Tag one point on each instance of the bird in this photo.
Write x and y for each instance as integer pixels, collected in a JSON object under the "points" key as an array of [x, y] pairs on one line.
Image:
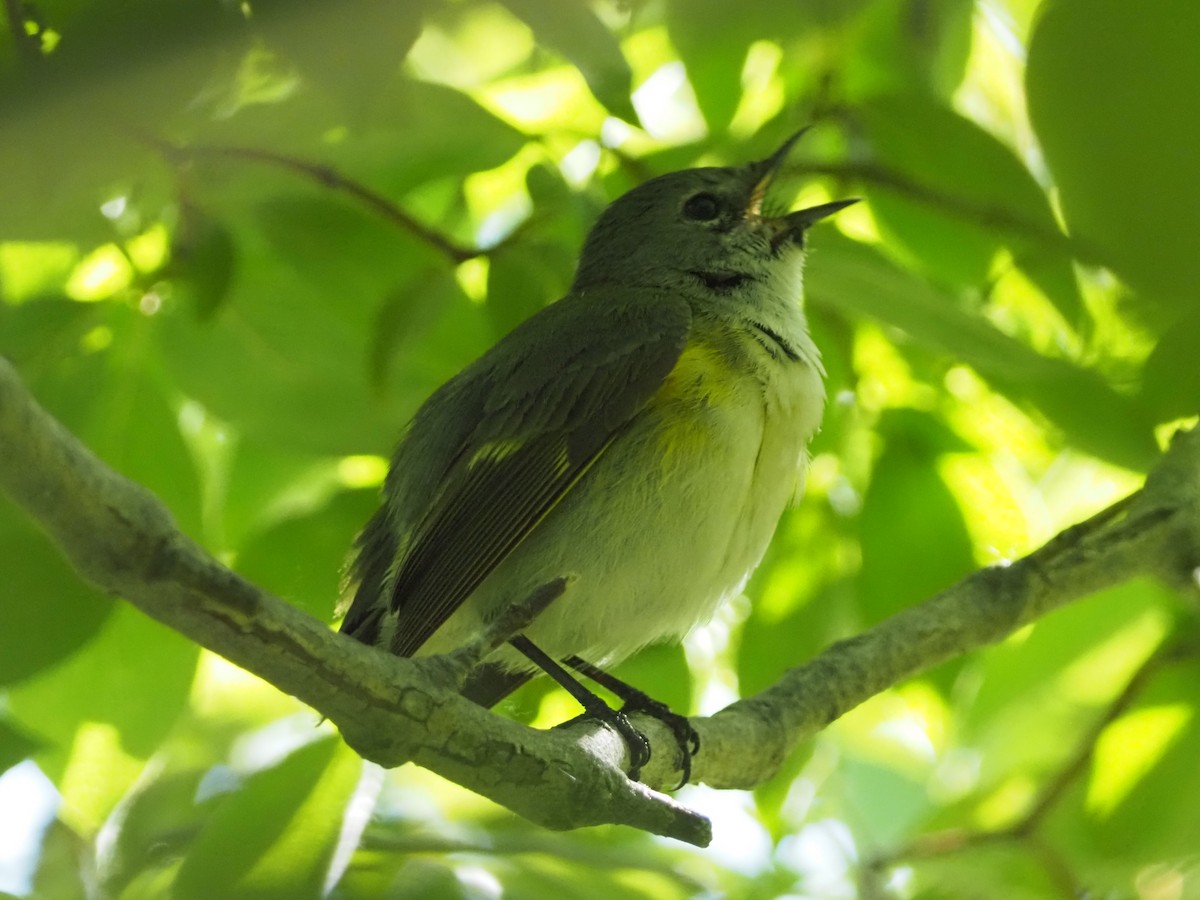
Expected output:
{"points": [[633, 445]]}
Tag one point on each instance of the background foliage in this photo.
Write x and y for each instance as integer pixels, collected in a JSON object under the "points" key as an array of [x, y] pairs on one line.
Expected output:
{"points": [[239, 243]]}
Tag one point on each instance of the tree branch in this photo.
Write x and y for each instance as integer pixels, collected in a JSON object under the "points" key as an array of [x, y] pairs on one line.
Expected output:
{"points": [[120, 537]]}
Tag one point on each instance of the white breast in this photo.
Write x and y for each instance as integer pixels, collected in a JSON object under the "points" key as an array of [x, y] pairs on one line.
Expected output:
{"points": [[669, 523]]}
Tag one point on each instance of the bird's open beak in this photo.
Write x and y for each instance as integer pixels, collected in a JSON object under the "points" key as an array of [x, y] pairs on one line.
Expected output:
{"points": [[794, 224], [766, 169]]}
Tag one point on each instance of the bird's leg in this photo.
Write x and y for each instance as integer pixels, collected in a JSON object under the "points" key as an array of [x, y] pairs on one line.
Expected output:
{"points": [[593, 706], [638, 701], [517, 616]]}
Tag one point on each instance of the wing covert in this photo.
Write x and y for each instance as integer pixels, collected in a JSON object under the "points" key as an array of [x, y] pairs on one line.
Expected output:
{"points": [[558, 390]]}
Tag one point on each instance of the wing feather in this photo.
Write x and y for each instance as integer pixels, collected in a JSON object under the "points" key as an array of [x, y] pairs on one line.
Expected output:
{"points": [[545, 402]]}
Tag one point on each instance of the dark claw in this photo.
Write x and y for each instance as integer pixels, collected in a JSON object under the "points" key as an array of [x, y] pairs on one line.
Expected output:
{"points": [[685, 735], [639, 747], [635, 742]]}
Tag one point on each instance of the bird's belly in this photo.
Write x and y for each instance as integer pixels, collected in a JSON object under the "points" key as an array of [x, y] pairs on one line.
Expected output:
{"points": [[668, 524]]}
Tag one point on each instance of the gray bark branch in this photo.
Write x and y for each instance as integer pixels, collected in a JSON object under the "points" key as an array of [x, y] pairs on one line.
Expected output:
{"points": [[120, 537]]}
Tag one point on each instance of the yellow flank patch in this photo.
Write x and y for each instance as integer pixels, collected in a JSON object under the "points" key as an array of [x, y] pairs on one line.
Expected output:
{"points": [[701, 380], [702, 377]]}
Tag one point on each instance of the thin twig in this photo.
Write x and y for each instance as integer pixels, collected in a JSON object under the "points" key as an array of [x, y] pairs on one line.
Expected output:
{"points": [[1054, 789], [984, 215], [1023, 831], [331, 178]]}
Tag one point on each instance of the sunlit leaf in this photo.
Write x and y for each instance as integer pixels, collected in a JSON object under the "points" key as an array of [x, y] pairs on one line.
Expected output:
{"points": [[275, 836], [572, 29], [965, 196], [853, 277], [1106, 82]]}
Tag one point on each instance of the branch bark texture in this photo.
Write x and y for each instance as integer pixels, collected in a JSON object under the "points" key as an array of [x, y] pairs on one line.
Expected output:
{"points": [[122, 539]]}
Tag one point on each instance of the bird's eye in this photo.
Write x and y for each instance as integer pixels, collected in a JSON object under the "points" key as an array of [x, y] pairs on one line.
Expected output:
{"points": [[701, 208]]}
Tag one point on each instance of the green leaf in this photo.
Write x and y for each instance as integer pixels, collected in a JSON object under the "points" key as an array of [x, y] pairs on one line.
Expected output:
{"points": [[202, 259], [714, 67], [1149, 755], [275, 836], [426, 331], [851, 277], [158, 820], [301, 559], [48, 613], [65, 870], [267, 485], [1020, 679], [972, 197], [913, 535], [286, 360], [1108, 83], [903, 46], [16, 744], [662, 672], [572, 29], [135, 675], [521, 281], [371, 38], [1171, 378], [134, 428], [446, 135]]}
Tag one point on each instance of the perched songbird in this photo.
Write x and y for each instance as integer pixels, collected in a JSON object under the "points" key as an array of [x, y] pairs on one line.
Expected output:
{"points": [[640, 437]]}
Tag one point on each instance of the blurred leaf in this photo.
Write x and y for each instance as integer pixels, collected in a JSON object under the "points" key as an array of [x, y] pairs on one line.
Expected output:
{"points": [[266, 485], [446, 135], [286, 360], [135, 430], [913, 536], [1106, 82], [135, 675], [986, 871], [336, 245], [714, 68], [909, 45], [402, 877], [42, 337], [73, 134], [770, 645], [158, 820], [413, 347], [852, 277], [883, 803], [662, 672], [48, 612], [202, 259], [1027, 704], [350, 49], [520, 282], [955, 159], [64, 869], [572, 29], [301, 559], [275, 836], [113, 399], [15, 745], [1171, 378], [1155, 822]]}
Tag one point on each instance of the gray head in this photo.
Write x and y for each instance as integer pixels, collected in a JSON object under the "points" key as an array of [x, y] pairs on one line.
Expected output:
{"points": [[704, 225]]}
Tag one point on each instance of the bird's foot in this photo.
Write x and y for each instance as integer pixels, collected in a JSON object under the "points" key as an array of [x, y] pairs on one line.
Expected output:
{"points": [[685, 735]]}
